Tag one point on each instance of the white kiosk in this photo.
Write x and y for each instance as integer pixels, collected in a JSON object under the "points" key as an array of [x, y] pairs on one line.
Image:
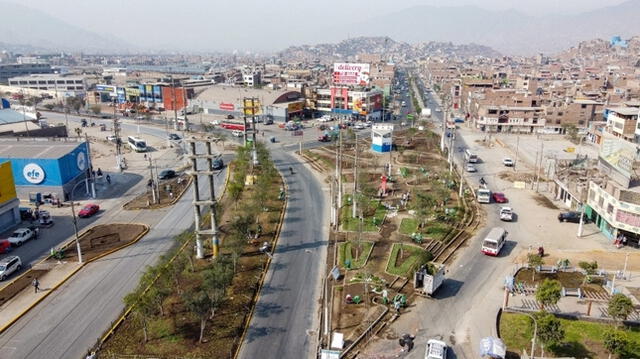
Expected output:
{"points": [[381, 138]]}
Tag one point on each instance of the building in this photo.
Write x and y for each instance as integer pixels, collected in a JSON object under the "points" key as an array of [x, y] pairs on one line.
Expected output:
{"points": [[278, 105], [517, 119], [346, 101], [251, 77], [51, 82], [623, 122], [45, 166], [9, 202], [8, 71]]}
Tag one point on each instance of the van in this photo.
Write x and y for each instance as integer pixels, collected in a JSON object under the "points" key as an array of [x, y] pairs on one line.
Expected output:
{"points": [[9, 265], [494, 241]]}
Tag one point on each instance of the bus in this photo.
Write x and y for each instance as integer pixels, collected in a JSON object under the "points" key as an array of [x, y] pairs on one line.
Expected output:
{"points": [[137, 144], [483, 195], [494, 241], [470, 156], [234, 125]]}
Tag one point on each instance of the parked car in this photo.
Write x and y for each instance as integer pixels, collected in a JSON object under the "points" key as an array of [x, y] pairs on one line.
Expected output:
{"points": [[436, 349], [26, 214], [21, 235], [167, 174], [499, 197], [471, 167], [217, 164], [237, 133], [9, 265], [214, 122], [324, 138], [230, 117], [174, 137], [571, 216], [506, 214], [88, 210], [5, 246], [507, 162], [268, 121], [359, 126]]}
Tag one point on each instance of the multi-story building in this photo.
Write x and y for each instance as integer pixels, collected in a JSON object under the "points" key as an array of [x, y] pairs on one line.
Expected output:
{"points": [[8, 71], [342, 100], [623, 122], [50, 82], [251, 77]]}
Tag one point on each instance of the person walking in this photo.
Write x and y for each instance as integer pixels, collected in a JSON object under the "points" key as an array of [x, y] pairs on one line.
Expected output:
{"points": [[108, 179], [36, 285]]}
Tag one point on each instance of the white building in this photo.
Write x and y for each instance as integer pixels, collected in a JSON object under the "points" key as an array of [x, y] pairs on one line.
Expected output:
{"points": [[50, 82]]}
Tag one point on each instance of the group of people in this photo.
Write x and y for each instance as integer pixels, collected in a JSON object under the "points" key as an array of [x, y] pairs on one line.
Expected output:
{"points": [[620, 241]]}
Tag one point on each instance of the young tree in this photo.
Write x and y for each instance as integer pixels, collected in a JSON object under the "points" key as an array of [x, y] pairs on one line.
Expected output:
{"points": [[550, 330], [534, 260], [423, 206], [142, 308], [615, 341], [198, 303], [548, 293], [620, 307]]}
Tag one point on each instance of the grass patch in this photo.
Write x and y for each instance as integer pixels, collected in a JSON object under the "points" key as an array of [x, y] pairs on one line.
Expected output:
{"points": [[369, 224], [408, 226], [582, 339], [433, 230], [412, 257], [347, 250]]}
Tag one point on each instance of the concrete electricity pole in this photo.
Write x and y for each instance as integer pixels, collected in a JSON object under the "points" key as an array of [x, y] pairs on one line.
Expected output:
{"points": [[355, 178]]}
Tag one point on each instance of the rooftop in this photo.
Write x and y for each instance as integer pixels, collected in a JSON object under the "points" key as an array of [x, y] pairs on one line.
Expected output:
{"points": [[42, 148], [10, 116], [625, 111], [235, 94]]}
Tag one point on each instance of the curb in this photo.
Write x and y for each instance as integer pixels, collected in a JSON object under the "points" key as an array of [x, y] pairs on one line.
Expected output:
{"points": [[16, 318], [256, 297], [175, 199]]}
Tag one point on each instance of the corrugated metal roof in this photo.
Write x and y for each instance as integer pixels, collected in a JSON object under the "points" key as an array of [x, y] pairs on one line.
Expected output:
{"points": [[36, 149]]}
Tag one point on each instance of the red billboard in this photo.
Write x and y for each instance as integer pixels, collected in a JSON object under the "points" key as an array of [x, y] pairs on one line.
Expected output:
{"points": [[227, 106], [174, 98]]}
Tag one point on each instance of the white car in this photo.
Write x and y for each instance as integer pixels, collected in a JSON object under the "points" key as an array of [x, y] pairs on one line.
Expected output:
{"points": [[436, 349], [508, 162], [324, 119], [506, 214], [214, 122], [359, 126], [9, 265], [21, 235], [237, 133], [471, 168], [438, 109]]}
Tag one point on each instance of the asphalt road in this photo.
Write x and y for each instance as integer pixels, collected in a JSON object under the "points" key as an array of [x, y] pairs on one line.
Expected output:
{"points": [[68, 322], [284, 324]]}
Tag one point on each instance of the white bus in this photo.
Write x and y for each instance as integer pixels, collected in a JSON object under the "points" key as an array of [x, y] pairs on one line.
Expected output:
{"points": [[483, 195], [470, 156], [494, 241], [137, 144]]}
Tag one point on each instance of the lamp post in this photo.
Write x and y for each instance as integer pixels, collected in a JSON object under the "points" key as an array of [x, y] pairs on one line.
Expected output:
{"points": [[75, 221], [535, 333]]}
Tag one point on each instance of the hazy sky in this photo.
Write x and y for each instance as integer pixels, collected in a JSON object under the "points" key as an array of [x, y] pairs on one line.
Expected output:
{"points": [[260, 24]]}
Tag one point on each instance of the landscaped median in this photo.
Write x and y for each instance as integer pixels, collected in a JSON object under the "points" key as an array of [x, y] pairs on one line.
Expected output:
{"points": [[18, 297]]}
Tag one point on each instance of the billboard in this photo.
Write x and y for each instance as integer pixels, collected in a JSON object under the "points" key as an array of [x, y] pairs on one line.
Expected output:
{"points": [[350, 74], [295, 107], [251, 107], [7, 186], [111, 90], [227, 106]]}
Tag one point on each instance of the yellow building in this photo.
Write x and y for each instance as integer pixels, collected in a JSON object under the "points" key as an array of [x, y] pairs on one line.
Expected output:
{"points": [[9, 202]]}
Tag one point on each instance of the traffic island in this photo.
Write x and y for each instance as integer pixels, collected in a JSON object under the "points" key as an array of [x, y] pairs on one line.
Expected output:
{"points": [[20, 296], [169, 192]]}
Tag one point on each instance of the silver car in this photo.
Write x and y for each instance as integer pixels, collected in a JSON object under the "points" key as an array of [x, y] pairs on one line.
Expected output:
{"points": [[9, 265]]}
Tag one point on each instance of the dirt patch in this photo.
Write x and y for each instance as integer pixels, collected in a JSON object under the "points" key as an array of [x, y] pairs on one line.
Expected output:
{"points": [[544, 201], [102, 239], [170, 192], [567, 279], [20, 283], [517, 176]]}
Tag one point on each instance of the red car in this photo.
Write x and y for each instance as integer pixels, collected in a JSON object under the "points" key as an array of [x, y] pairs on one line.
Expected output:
{"points": [[88, 210], [324, 138], [499, 198]]}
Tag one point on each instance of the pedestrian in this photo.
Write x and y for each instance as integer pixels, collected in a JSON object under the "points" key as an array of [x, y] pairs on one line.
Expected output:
{"points": [[108, 179], [99, 173], [36, 285], [145, 156]]}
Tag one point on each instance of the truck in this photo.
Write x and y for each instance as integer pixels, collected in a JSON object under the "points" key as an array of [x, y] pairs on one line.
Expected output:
{"points": [[483, 194], [428, 279], [426, 112]]}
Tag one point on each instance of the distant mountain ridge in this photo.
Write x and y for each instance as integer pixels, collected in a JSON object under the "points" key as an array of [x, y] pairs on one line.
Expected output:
{"points": [[507, 31], [31, 28]]}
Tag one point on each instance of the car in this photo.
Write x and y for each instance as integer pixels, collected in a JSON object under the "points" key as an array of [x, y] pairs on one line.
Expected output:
{"points": [[508, 162], [436, 349], [268, 121], [21, 235], [571, 216], [324, 119], [506, 214], [471, 168], [214, 122], [167, 174], [499, 197], [359, 126], [88, 210], [112, 138], [5, 246], [438, 109], [217, 164], [324, 138], [237, 133], [230, 117], [8, 265], [174, 137]]}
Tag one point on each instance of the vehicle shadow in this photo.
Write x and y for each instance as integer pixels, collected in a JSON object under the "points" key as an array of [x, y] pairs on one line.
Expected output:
{"points": [[507, 248], [449, 288]]}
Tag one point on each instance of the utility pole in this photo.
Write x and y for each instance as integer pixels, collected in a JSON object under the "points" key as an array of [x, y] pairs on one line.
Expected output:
{"points": [[152, 180], [173, 103], [355, 178], [540, 166], [90, 167], [116, 134], [581, 223], [340, 167], [515, 163]]}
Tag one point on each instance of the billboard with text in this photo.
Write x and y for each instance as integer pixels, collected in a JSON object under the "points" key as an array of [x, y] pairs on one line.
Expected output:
{"points": [[350, 74]]}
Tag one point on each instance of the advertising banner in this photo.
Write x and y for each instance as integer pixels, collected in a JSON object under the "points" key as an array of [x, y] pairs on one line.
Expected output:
{"points": [[227, 106], [295, 107], [7, 186], [106, 88], [350, 74], [251, 107]]}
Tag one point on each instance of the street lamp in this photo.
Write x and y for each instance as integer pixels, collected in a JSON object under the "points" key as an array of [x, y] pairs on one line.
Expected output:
{"points": [[75, 220], [535, 333]]}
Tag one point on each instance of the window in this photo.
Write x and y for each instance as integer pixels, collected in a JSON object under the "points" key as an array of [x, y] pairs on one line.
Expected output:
{"points": [[592, 196], [492, 112], [558, 121], [610, 208], [560, 113], [580, 122], [584, 105]]}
